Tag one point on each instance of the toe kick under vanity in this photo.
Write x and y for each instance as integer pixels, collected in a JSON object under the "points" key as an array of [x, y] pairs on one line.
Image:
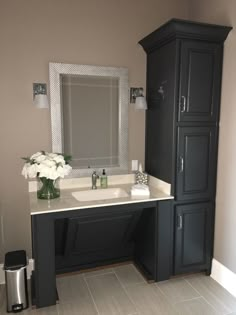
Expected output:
{"points": [[70, 235]]}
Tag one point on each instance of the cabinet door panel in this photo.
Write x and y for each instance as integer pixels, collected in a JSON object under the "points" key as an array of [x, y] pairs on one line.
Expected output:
{"points": [[199, 81], [196, 163], [193, 237], [96, 234]]}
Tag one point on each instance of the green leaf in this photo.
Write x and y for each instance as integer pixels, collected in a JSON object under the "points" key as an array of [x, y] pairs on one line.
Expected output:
{"points": [[27, 159]]}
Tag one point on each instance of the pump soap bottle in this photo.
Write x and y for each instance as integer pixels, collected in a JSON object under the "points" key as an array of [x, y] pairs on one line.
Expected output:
{"points": [[103, 179]]}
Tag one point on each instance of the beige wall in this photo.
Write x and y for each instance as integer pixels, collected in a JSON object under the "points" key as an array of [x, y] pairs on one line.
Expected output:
{"points": [[224, 12], [32, 34]]}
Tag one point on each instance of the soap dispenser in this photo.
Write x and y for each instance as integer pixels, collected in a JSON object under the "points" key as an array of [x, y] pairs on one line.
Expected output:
{"points": [[103, 179]]}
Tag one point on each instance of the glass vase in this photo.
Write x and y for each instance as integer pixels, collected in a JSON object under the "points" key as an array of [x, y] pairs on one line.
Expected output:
{"points": [[48, 188]]}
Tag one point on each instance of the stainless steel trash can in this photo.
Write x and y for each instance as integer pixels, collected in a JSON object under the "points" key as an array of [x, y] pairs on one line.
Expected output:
{"points": [[16, 281]]}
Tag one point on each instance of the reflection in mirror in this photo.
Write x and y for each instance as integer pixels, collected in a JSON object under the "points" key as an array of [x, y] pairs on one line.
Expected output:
{"points": [[90, 107], [89, 115]]}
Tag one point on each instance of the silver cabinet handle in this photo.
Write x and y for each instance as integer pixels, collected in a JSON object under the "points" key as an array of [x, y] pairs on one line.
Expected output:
{"points": [[181, 164], [180, 222], [183, 104]]}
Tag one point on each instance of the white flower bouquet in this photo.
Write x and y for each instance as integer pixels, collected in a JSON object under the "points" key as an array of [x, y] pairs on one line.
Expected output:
{"points": [[47, 167]]}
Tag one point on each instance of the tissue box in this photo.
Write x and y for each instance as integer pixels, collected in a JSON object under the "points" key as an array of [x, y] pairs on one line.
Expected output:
{"points": [[140, 190]]}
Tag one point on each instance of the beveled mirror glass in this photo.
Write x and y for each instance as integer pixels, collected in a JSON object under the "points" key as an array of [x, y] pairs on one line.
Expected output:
{"points": [[89, 116]]}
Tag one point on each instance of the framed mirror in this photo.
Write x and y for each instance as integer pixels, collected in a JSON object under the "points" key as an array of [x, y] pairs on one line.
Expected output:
{"points": [[89, 116]]}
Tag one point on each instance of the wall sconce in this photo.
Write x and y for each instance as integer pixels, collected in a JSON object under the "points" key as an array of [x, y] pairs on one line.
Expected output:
{"points": [[161, 92], [40, 95], [156, 96], [136, 97]]}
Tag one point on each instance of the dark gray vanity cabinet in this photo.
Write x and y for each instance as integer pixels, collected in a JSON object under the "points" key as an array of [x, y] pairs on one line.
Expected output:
{"points": [[105, 235], [184, 65], [69, 240]]}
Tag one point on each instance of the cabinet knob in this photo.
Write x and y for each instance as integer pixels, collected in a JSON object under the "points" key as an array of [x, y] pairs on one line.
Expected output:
{"points": [[183, 104]]}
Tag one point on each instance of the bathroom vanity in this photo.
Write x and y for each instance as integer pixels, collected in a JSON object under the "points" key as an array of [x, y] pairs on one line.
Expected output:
{"points": [[162, 236], [70, 235]]}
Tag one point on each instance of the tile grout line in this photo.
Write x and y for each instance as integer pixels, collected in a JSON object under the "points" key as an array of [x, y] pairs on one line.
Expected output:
{"points": [[156, 285], [195, 298], [131, 300], [208, 301], [185, 300], [99, 274], [145, 283], [91, 295], [219, 300]]}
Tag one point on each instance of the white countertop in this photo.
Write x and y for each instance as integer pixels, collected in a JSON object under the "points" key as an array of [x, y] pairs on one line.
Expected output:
{"points": [[158, 191]]}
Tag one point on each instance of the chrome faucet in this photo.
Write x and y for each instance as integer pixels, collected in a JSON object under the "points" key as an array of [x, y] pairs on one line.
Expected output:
{"points": [[94, 180]]}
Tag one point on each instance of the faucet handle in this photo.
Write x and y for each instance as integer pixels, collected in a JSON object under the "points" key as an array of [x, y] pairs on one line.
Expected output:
{"points": [[95, 174]]}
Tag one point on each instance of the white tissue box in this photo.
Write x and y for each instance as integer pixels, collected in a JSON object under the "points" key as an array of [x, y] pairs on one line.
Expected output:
{"points": [[140, 190]]}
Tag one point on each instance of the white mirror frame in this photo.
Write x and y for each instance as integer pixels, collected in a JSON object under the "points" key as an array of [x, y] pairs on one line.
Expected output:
{"points": [[55, 71]]}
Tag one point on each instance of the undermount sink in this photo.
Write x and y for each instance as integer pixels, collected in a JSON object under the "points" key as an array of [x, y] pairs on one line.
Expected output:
{"points": [[99, 194]]}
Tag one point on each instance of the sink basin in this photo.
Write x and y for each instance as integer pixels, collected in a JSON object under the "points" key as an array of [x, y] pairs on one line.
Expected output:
{"points": [[99, 194]]}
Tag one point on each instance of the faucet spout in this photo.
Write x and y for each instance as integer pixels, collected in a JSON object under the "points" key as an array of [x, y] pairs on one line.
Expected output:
{"points": [[94, 180]]}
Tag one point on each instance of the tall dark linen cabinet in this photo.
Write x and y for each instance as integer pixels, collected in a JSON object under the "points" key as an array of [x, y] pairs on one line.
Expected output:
{"points": [[184, 67]]}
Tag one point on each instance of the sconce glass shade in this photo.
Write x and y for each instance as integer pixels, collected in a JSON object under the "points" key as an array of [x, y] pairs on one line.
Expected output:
{"points": [[140, 103], [41, 101]]}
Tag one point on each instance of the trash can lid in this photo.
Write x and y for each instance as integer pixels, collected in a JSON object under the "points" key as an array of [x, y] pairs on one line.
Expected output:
{"points": [[15, 260]]}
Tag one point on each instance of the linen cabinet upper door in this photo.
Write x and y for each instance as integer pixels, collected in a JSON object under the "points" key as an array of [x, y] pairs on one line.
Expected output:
{"points": [[196, 163], [200, 73]]}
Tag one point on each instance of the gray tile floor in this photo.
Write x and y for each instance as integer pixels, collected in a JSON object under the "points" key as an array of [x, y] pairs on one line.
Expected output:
{"points": [[122, 290]]}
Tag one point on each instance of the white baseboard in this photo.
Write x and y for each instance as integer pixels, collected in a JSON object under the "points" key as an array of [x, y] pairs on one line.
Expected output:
{"points": [[30, 267], [224, 276]]}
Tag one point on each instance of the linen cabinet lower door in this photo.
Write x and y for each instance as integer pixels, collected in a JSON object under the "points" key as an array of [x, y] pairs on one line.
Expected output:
{"points": [[193, 237]]}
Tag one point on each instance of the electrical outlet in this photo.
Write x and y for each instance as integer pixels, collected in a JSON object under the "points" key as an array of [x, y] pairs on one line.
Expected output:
{"points": [[134, 165]]}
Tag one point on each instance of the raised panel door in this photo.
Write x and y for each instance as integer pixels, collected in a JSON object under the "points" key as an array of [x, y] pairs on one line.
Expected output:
{"points": [[200, 81], [196, 163], [193, 237]]}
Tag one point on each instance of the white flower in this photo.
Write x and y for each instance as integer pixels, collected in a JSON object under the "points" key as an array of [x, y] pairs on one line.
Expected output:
{"points": [[35, 155], [40, 158], [32, 170], [53, 173], [44, 171], [25, 170], [67, 169], [48, 165], [52, 155], [48, 172], [61, 171], [59, 159]]}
